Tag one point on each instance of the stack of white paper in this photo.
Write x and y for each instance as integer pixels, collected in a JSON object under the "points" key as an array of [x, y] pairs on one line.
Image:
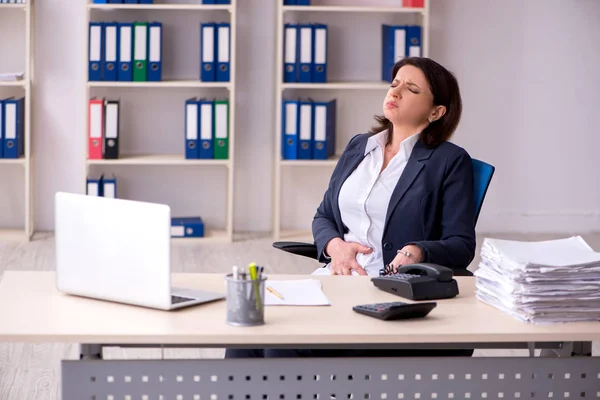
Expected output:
{"points": [[7, 77], [541, 282]]}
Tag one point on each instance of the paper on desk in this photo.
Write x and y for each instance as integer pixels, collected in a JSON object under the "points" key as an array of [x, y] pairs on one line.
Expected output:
{"points": [[299, 292]]}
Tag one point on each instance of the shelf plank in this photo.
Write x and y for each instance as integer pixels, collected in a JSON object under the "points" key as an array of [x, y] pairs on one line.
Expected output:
{"points": [[331, 162], [13, 6], [160, 84], [380, 85], [157, 159], [210, 236], [19, 83], [358, 9], [162, 7], [13, 161]]}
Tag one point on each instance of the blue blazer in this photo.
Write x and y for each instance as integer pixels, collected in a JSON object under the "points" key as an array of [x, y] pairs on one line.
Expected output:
{"points": [[431, 206]]}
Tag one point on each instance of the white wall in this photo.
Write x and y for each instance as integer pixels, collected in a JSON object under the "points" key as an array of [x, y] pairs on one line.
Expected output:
{"points": [[528, 72]]}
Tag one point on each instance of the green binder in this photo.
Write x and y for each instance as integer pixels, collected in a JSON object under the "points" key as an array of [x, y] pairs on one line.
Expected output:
{"points": [[140, 51], [221, 130]]}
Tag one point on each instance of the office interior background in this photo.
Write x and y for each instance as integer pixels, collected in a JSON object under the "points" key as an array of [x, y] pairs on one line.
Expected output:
{"points": [[528, 73]]}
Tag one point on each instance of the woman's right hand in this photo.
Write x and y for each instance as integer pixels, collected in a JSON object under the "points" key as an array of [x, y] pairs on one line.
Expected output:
{"points": [[343, 256]]}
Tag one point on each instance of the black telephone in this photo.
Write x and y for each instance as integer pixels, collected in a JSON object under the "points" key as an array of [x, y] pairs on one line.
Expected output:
{"points": [[422, 281]]}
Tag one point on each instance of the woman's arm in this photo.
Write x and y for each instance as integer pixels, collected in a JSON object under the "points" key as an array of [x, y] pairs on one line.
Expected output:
{"points": [[323, 226], [456, 247]]}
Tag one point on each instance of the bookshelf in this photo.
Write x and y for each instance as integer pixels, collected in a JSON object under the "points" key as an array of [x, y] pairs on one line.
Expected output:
{"points": [[156, 110], [345, 82], [21, 14]]}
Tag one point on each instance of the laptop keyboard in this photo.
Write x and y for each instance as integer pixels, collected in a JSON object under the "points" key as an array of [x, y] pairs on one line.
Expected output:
{"points": [[179, 299]]}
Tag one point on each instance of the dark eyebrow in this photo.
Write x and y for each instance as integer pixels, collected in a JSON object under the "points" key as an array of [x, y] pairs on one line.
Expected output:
{"points": [[413, 84]]}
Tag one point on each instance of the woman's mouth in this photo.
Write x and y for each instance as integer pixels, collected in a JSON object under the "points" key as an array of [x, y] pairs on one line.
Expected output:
{"points": [[391, 104]]}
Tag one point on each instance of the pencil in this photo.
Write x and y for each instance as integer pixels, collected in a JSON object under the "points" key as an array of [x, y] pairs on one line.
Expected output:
{"points": [[274, 292]]}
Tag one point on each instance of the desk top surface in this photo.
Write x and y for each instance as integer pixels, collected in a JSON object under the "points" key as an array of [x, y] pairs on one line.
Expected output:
{"points": [[32, 310]]}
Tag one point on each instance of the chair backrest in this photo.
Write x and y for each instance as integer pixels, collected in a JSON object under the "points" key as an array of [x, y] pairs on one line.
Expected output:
{"points": [[482, 176]]}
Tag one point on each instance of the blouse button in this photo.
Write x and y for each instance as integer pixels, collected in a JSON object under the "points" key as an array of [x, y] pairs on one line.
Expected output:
{"points": [[388, 246]]}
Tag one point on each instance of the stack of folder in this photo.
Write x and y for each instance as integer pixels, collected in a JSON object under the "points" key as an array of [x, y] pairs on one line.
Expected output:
{"points": [[550, 281], [206, 129], [103, 186], [123, 1], [187, 227], [296, 2], [103, 129], [216, 1], [215, 40], [305, 53], [308, 129], [125, 51], [398, 42], [12, 127]]}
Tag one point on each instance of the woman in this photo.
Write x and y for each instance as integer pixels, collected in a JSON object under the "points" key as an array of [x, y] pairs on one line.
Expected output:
{"points": [[399, 195], [405, 194]]}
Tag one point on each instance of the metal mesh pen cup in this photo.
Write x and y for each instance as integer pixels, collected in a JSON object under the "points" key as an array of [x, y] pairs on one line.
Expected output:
{"points": [[245, 301]]}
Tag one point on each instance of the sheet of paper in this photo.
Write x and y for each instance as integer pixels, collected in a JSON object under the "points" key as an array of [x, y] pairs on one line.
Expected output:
{"points": [[299, 292]]}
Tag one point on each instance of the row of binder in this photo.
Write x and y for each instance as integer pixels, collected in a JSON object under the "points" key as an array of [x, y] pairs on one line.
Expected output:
{"points": [[397, 42], [103, 129], [102, 186], [12, 127], [308, 129], [13, 1], [215, 40], [125, 51], [305, 53], [206, 129]]}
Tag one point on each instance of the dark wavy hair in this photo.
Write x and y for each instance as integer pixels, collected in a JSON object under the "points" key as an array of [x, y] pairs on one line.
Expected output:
{"points": [[444, 87]]}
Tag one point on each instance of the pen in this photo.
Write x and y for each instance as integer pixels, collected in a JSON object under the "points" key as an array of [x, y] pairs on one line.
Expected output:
{"points": [[275, 292]]}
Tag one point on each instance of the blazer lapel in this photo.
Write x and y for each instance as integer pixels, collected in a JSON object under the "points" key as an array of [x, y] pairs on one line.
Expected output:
{"points": [[410, 173]]}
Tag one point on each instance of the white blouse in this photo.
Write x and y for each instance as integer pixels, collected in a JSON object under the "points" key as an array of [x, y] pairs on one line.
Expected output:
{"points": [[365, 196]]}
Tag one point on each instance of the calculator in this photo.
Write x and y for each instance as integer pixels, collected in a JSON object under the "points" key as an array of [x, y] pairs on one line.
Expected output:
{"points": [[395, 310]]}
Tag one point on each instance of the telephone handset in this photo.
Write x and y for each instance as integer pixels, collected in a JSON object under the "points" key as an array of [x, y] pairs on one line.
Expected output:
{"points": [[423, 281]]}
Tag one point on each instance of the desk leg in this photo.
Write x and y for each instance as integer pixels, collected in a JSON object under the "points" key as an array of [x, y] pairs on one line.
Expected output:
{"points": [[90, 351]]}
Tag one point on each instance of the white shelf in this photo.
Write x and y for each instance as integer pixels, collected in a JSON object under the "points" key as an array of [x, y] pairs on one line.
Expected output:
{"points": [[356, 9], [162, 7], [210, 236], [157, 159], [96, 12], [20, 83], [159, 84], [331, 162], [28, 229], [346, 87], [338, 85], [13, 161]]}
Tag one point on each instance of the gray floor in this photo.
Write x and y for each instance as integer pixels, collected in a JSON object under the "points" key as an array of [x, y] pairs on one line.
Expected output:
{"points": [[32, 371]]}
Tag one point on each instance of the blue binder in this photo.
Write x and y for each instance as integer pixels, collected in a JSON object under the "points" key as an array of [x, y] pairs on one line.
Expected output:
{"points": [[146, 1], [290, 128], [305, 53], [131, 2], [95, 51], [305, 132], [393, 41], [187, 227], [303, 2], [155, 51], [1, 128], [94, 185], [205, 131], [125, 37], [209, 2], [191, 127], [290, 53], [14, 112], [324, 117], [99, 1], [207, 51], [223, 53], [115, 1], [319, 68], [413, 41], [289, 2], [223, 2], [111, 51]]}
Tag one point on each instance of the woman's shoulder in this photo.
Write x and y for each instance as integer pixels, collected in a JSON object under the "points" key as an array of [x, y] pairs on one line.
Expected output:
{"points": [[450, 150]]}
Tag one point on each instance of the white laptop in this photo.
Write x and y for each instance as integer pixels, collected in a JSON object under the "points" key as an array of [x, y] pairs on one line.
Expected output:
{"points": [[118, 250]]}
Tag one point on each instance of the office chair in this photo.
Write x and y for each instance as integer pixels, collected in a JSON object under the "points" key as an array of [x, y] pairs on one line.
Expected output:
{"points": [[482, 176]]}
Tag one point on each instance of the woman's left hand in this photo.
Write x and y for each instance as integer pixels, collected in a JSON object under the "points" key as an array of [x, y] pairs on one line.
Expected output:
{"points": [[416, 256]]}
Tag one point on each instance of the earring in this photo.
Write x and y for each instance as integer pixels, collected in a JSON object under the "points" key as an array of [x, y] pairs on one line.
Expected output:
{"points": [[431, 119]]}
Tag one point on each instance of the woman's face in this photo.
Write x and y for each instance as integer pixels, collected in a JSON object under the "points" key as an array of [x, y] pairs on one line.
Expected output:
{"points": [[409, 100]]}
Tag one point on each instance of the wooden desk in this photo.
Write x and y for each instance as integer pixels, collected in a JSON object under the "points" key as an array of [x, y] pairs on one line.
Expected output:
{"points": [[32, 310]]}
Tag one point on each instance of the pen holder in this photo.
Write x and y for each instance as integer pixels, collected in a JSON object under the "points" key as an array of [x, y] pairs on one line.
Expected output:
{"points": [[245, 301]]}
